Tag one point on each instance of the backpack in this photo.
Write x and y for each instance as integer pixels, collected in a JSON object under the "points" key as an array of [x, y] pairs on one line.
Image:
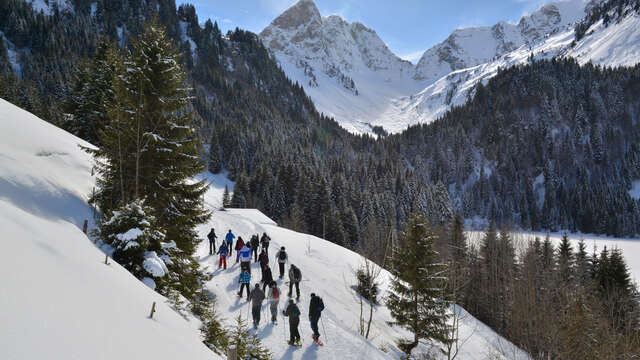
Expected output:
{"points": [[295, 312], [296, 274], [282, 256], [276, 293]]}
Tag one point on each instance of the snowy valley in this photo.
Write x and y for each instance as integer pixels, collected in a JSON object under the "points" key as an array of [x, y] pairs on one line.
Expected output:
{"points": [[352, 76]]}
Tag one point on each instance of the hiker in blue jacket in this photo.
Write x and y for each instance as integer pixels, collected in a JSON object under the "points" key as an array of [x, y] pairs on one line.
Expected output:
{"points": [[244, 280], [229, 239]]}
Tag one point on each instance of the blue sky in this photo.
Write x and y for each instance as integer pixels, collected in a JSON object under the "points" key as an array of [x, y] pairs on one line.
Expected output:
{"points": [[408, 27]]}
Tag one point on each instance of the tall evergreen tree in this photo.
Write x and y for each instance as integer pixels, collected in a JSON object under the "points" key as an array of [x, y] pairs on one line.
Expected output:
{"points": [[151, 151], [417, 299]]}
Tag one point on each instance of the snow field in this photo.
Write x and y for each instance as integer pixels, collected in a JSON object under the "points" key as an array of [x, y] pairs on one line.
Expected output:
{"points": [[59, 300]]}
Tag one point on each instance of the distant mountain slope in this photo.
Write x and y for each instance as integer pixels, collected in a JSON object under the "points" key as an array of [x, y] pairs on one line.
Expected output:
{"points": [[397, 94], [60, 301]]}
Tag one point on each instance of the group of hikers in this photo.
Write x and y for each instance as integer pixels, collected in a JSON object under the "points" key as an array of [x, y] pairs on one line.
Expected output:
{"points": [[245, 251]]}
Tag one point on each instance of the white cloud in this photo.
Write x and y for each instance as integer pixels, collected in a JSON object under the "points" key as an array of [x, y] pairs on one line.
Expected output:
{"points": [[413, 56]]}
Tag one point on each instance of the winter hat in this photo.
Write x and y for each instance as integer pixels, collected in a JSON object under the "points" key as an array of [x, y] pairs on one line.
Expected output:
{"points": [[282, 248], [290, 301], [313, 294]]}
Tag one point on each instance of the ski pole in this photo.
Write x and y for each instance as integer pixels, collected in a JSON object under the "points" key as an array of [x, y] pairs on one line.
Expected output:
{"points": [[284, 328], [324, 331]]}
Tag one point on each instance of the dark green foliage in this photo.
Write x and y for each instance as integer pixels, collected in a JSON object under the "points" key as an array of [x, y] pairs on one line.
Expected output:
{"points": [[90, 93], [214, 334], [417, 297], [366, 286], [568, 125], [247, 343]]}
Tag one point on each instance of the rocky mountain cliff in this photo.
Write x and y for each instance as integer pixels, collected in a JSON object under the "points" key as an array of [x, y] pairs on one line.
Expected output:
{"points": [[352, 75]]}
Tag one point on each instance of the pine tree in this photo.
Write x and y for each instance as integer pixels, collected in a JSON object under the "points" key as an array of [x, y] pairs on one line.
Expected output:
{"points": [[565, 261], [247, 343], [132, 232], [226, 201], [417, 299], [240, 192], [91, 92], [151, 151]]}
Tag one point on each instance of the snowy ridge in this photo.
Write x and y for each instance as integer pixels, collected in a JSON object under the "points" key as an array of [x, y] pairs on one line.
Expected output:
{"points": [[320, 53], [60, 300]]}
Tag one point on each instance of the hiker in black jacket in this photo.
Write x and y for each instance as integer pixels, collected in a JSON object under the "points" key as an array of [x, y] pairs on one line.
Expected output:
{"points": [[212, 241], [316, 305], [264, 241], [282, 257], [255, 242], [267, 277], [293, 313]]}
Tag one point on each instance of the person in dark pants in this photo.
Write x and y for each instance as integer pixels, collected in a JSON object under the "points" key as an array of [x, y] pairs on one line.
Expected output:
{"points": [[315, 310], [255, 243], [229, 239], [263, 259], [282, 259], [256, 298], [212, 241], [293, 313], [295, 276], [267, 277], [245, 279], [264, 241]]}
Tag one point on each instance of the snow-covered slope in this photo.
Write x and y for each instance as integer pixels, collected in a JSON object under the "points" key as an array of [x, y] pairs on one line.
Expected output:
{"points": [[328, 270], [321, 52], [59, 300]]}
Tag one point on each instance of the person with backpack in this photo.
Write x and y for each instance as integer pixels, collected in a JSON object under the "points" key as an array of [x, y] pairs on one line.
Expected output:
{"points": [[229, 239], [295, 276], [293, 313], [256, 298], [274, 298], [267, 277], [222, 250], [282, 259], [316, 305], [239, 246], [212, 241], [264, 259], [244, 255], [255, 243], [244, 280], [264, 241]]}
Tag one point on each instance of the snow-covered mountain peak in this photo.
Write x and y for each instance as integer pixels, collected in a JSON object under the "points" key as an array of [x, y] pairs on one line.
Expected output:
{"points": [[302, 13], [327, 44], [472, 46]]}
